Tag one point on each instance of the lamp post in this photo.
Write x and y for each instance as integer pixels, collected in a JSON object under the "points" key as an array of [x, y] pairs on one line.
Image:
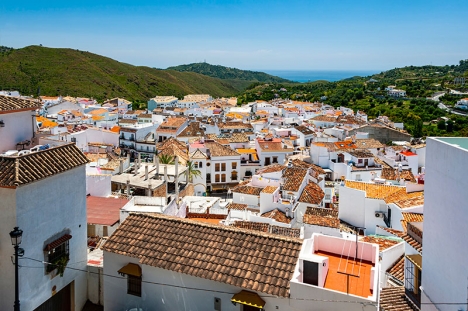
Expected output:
{"points": [[16, 236]]}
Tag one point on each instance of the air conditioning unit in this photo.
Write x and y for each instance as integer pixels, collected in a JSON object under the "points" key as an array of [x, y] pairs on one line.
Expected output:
{"points": [[379, 214]]}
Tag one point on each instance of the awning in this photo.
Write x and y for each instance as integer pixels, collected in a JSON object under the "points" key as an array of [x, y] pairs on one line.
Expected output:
{"points": [[57, 242], [248, 298], [240, 150], [254, 157], [416, 259], [131, 269]]}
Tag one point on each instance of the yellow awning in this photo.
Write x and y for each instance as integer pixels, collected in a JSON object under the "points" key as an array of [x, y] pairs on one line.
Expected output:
{"points": [[248, 298], [416, 259], [131, 269], [240, 150], [254, 157]]}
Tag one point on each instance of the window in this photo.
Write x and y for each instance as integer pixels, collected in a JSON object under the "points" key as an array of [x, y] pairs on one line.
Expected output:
{"points": [[58, 252], [234, 165], [234, 175], [413, 278], [223, 177], [275, 159], [223, 167], [216, 167], [195, 164], [217, 178], [200, 164], [134, 285], [267, 161], [359, 161]]}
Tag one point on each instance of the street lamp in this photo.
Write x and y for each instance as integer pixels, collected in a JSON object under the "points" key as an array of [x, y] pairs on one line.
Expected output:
{"points": [[16, 236]]}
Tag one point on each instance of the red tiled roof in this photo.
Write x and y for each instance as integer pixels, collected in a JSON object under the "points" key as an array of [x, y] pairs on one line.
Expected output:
{"points": [[382, 242], [394, 299], [293, 177], [57, 242], [11, 104], [277, 215], [312, 194], [323, 217], [398, 269], [246, 259], [104, 211], [34, 166]]}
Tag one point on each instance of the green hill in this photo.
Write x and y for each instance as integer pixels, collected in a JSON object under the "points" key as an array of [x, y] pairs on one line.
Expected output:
{"points": [[54, 71], [241, 78]]}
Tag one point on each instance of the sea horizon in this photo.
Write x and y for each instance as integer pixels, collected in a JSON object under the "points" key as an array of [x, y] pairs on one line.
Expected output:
{"points": [[314, 75]]}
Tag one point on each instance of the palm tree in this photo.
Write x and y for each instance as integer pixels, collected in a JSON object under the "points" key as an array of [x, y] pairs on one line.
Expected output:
{"points": [[166, 159], [192, 171]]}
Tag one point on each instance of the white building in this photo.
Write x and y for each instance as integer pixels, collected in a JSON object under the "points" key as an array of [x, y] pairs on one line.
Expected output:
{"points": [[43, 193], [162, 102], [221, 274], [445, 244], [17, 122]]}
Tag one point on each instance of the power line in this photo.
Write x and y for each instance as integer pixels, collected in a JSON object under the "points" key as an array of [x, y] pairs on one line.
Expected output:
{"points": [[230, 293]]}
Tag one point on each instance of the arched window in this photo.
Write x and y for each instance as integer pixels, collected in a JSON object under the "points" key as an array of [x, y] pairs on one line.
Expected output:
{"points": [[200, 164]]}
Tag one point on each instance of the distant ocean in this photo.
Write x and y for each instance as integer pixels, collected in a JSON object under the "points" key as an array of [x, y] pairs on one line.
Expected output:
{"points": [[314, 75]]}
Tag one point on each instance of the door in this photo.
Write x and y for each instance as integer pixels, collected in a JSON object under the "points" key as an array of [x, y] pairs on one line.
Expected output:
{"points": [[61, 301]]}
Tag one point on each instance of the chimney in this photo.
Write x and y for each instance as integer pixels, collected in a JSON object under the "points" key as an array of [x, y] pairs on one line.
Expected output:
{"points": [[146, 172], [165, 180], [176, 177]]}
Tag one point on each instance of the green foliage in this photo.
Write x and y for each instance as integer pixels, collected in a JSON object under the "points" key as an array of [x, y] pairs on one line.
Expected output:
{"points": [[193, 172], [441, 125], [166, 159], [227, 73], [77, 73]]}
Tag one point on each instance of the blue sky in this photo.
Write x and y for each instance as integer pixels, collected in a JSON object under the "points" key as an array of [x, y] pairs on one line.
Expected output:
{"points": [[251, 34]]}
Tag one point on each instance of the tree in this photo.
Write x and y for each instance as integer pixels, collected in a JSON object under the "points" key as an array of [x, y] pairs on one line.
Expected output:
{"points": [[192, 171], [166, 159], [450, 126], [441, 125]]}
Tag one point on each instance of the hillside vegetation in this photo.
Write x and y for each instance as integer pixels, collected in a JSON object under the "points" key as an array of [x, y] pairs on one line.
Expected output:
{"points": [[420, 115], [51, 71], [234, 75]]}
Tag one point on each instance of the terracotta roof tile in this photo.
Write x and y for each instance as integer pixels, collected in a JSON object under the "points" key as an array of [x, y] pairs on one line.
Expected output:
{"points": [[234, 125], [271, 169], [398, 269], [247, 259], [394, 299], [316, 168], [324, 118], [34, 166], [236, 206], [405, 199], [368, 143], [324, 217], [269, 189], [277, 215], [383, 243], [392, 174], [304, 129], [312, 194], [373, 191], [293, 177], [246, 189], [218, 150], [192, 130], [230, 138], [410, 217], [11, 104]]}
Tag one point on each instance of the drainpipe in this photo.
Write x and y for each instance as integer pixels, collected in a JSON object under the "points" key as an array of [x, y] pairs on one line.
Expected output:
{"points": [[128, 186], [146, 172], [120, 166]]}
